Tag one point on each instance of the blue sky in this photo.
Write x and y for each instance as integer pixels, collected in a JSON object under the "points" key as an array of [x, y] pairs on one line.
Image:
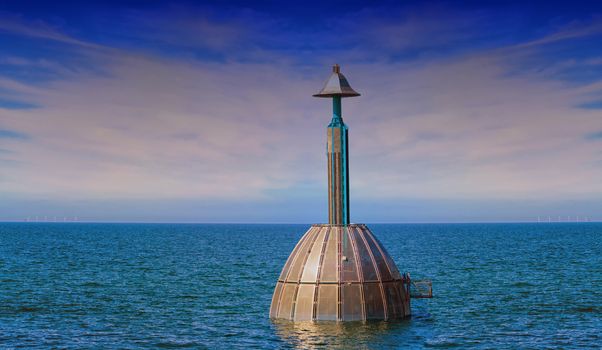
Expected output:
{"points": [[202, 112]]}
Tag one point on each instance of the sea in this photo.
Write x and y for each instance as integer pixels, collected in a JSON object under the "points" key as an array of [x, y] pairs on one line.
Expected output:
{"points": [[209, 286]]}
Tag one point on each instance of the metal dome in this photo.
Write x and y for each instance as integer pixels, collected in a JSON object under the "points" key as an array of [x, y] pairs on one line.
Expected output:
{"points": [[340, 273]]}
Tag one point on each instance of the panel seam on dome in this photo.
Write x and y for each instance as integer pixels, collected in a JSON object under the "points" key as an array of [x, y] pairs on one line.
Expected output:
{"points": [[389, 259], [360, 273], [361, 233], [307, 237], [319, 274], [295, 255], [382, 253], [385, 259], [305, 257]]}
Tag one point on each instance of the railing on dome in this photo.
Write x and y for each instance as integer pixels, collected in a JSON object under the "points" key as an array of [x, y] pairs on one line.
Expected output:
{"points": [[421, 289], [417, 288]]}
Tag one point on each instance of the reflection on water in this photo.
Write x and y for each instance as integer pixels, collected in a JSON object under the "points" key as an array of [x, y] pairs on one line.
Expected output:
{"points": [[341, 335]]}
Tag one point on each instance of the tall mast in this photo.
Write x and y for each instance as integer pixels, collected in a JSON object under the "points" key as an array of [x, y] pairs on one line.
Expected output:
{"points": [[337, 148]]}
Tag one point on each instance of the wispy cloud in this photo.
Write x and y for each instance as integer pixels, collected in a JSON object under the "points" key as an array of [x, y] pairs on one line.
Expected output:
{"points": [[37, 29], [594, 136], [591, 105], [430, 28], [194, 28], [13, 104], [571, 31], [11, 134]]}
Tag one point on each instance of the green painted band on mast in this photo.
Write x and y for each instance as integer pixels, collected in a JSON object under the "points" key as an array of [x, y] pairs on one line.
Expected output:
{"points": [[343, 181]]}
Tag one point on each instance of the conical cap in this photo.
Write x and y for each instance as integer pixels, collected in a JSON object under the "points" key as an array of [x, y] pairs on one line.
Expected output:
{"points": [[337, 85]]}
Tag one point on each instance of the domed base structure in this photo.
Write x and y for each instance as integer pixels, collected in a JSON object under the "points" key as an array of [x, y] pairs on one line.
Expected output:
{"points": [[340, 273]]}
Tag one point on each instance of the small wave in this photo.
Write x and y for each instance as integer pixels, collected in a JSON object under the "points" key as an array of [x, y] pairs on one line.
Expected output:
{"points": [[587, 309], [441, 343], [178, 345], [522, 284], [186, 296], [232, 334], [92, 284], [28, 309]]}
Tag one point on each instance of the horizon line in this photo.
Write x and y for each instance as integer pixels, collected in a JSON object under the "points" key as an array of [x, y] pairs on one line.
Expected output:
{"points": [[294, 223]]}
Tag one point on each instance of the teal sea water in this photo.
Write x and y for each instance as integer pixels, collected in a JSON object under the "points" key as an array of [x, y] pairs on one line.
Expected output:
{"points": [[140, 286]]}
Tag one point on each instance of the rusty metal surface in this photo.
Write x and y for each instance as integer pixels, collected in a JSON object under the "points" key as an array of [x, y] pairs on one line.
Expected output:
{"points": [[358, 281]]}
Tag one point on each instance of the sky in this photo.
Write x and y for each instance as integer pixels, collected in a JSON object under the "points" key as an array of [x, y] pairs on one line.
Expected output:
{"points": [[181, 111]]}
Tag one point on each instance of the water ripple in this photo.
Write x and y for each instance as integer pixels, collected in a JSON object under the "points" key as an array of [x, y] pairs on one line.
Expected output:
{"points": [[141, 286]]}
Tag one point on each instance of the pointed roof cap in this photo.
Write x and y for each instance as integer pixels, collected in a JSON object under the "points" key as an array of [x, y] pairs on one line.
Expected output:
{"points": [[336, 85]]}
